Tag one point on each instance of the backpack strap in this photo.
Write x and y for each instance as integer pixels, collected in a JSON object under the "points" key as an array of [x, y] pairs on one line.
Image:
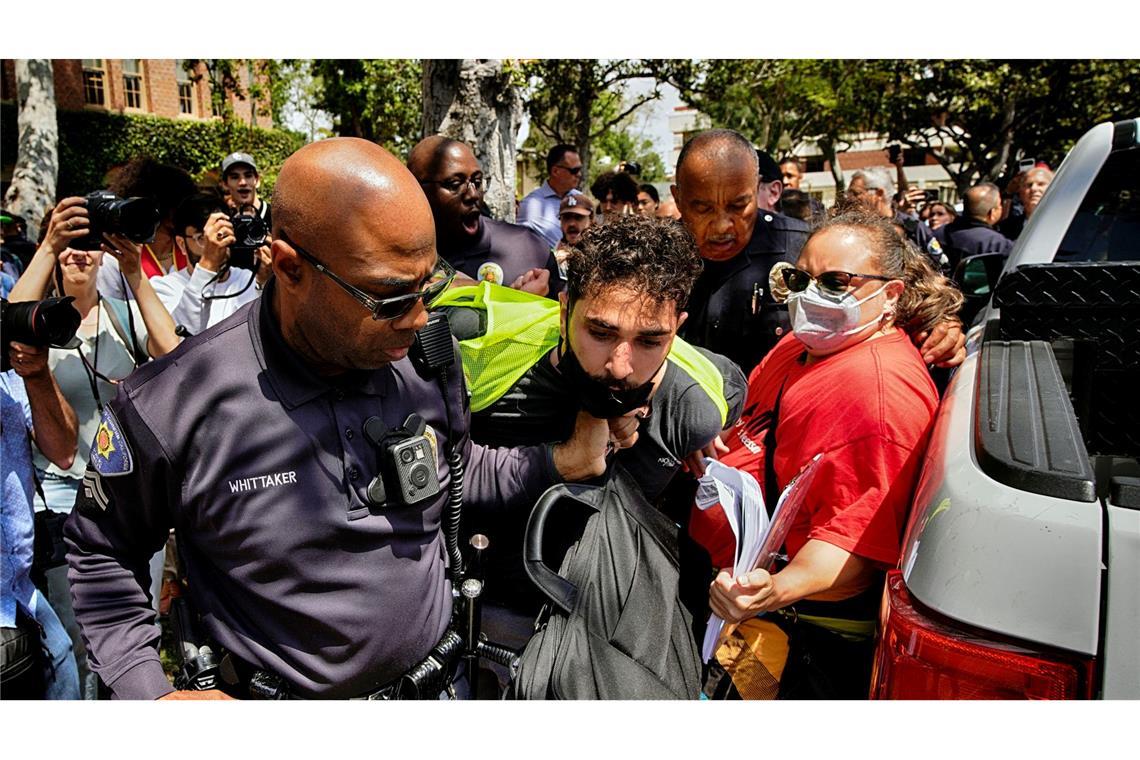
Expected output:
{"points": [[119, 314]]}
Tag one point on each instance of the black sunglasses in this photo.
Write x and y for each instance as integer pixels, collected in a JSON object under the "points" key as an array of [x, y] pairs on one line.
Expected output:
{"points": [[385, 308], [575, 171], [833, 283]]}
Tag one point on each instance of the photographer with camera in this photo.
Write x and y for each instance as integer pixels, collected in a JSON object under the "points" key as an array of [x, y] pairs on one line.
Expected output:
{"points": [[163, 186], [114, 337], [224, 274], [241, 181], [36, 661]]}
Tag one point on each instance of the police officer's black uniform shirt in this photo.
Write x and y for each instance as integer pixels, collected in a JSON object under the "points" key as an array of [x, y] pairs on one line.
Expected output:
{"points": [[256, 462], [920, 234], [730, 310], [970, 237], [500, 252]]}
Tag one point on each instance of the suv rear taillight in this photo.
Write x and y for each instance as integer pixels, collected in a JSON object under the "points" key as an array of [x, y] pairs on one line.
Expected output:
{"points": [[919, 657]]}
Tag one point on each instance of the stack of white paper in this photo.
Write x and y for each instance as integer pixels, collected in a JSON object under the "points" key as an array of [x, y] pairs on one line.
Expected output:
{"points": [[758, 539], [739, 495]]}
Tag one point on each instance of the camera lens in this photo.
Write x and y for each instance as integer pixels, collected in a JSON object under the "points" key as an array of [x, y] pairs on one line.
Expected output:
{"points": [[420, 475], [406, 456]]}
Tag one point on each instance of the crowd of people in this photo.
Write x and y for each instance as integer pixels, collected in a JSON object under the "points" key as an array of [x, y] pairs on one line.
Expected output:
{"points": [[229, 422]]}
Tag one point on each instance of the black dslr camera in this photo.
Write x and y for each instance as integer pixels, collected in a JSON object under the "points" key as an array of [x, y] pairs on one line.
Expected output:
{"points": [[136, 219], [408, 473], [250, 233], [51, 322]]}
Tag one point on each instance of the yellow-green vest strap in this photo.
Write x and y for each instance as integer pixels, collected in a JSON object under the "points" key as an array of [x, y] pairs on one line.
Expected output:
{"points": [[698, 366]]}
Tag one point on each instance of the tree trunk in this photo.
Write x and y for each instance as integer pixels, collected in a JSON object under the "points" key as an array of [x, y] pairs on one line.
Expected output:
{"points": [[32, 192], [476, 101]]}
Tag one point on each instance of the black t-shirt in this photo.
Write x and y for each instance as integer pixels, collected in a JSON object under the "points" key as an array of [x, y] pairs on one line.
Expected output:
{"points": [[541, 408], [502, 252]]}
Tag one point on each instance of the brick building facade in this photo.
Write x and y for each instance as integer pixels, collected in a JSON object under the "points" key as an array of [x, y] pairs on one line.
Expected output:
{"points": [[157, 86]]}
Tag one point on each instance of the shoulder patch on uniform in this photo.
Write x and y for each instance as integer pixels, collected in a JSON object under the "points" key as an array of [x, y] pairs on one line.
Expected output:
{"points": [[93, 490], [110, 454], [934, 246]]}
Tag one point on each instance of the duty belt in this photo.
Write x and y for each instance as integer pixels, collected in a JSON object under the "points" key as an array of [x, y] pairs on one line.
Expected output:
{"points": [[425, 680]]}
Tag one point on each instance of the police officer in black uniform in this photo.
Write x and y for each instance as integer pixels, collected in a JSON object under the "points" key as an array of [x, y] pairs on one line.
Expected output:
{"points": [[726, 192], [974, 232], [265, 442]]}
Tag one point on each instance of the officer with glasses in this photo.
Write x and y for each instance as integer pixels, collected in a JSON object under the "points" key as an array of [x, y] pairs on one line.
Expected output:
{"points": [[313, 574], [539, 210], [478, 246]]}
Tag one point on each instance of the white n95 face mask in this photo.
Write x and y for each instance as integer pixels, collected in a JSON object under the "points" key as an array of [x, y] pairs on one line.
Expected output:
{"points": [[823, 323]]}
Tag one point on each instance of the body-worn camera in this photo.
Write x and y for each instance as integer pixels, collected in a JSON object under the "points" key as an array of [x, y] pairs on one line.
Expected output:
{"points": [[51, 322], [136, 219], [250, 233], [408, 473]]}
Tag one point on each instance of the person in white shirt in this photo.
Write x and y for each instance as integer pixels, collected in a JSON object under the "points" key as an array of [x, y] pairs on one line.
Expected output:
{"points": [[209, 289]]}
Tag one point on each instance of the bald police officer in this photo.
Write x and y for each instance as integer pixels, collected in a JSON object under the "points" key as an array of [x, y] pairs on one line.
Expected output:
{"points": [[296, 566], [727, 193]]}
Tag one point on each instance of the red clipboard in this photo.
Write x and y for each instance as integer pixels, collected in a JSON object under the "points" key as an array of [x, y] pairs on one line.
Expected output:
{"points": [[791, 499]]}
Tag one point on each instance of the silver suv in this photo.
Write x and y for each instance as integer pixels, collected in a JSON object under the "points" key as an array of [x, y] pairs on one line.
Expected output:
{"points": [[1020, 571]]}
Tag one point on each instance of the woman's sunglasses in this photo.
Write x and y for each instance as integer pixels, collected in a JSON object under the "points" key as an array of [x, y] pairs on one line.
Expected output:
{"points": [[834, 283]]}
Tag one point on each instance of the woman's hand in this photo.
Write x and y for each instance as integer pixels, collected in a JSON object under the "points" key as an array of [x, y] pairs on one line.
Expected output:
{"points": [[126, 252], [69, 222], [737, 599]]}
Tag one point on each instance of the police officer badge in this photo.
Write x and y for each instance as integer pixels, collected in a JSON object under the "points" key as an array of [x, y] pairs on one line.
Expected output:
{"points": [[110, 454], [490, 272]]}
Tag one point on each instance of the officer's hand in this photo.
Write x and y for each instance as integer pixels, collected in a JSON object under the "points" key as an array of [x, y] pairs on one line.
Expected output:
{"points": [[69, 221], [944, 346], [30, 362], [535, 281], [207, 694], [584, 455], [623, 430], [218, 236], [695, 462], [737, 599]]}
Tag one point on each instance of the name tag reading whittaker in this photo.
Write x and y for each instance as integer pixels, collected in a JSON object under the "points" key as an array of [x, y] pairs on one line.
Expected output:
{"points": [[263, 481]]}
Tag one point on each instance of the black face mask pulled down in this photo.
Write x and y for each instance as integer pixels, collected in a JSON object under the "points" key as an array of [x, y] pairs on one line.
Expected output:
{"points": [[597, 398]]}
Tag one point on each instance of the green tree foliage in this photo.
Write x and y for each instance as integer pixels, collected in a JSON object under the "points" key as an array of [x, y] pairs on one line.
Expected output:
{"points": [[976, 117], [580, 100], [621, 144], [379, 100], [92, 143], [983, 115], [779, 103]]}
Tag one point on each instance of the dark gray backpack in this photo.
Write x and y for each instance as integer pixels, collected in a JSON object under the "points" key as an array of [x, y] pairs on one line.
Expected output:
{"points": [[616, 627]]}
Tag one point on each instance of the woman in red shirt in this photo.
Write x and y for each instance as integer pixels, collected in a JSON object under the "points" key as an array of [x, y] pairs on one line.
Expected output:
{"points": [[847, 383]]}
